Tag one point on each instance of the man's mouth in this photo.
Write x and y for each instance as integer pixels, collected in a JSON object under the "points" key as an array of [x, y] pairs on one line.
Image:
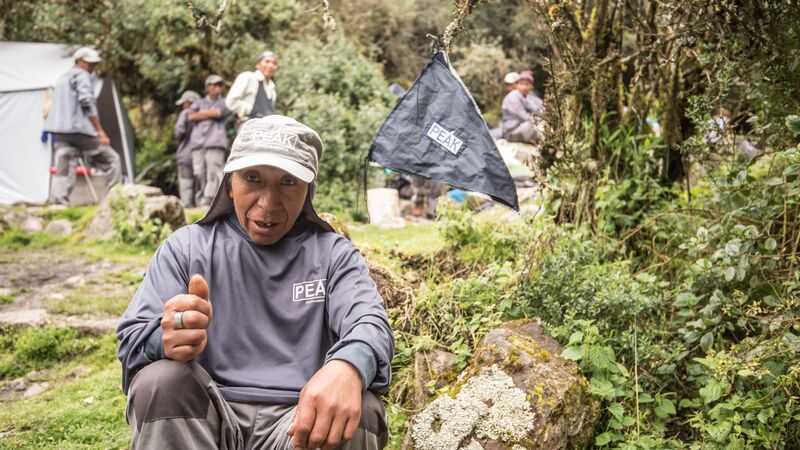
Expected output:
{"points": [[264, 225]]}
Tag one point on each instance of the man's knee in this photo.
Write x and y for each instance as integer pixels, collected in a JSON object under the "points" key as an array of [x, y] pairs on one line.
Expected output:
{"points": [[168, 389], [373, 416], [111, 155]]}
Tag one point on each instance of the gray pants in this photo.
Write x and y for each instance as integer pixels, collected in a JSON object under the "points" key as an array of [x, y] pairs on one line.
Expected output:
{"points": [[173, 405], [526, 132], [186, 185], [207, 166], [71, 146]]}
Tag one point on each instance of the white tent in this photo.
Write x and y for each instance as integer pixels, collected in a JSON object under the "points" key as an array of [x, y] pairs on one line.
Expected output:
{"points": [[28, 72]]}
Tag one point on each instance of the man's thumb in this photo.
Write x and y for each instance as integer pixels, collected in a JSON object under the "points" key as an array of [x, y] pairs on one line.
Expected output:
{"points": [[199, 287]]}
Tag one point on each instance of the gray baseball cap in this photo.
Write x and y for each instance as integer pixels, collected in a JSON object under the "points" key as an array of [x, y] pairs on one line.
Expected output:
{"points": [[188, 96], [266, 54], [276, 141]]}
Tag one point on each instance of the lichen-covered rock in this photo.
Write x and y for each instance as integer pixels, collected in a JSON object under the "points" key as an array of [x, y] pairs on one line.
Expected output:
{"points": [[435, 367], [168, 209], [518, 394]]}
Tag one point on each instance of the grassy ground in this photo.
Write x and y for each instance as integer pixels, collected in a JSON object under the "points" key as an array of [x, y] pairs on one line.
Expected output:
{"points": [[84, 406], [410, 239]]}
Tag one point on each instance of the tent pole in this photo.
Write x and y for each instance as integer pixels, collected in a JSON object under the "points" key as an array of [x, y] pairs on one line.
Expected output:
{"points": [[122, 132]]}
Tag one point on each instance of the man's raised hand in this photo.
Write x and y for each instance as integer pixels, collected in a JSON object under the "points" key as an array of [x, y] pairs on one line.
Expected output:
{"points": [[189, 341]]}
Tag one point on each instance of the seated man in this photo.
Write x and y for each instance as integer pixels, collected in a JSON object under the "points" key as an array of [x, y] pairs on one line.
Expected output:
{"points": [[510, 80], [258, 325], [75, 125], [521, 111]]}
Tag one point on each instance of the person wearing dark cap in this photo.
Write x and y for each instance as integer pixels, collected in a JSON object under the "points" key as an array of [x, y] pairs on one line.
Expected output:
{"points": [[73, 121], [522, 111], [253, 94], [208, 140], [258, 326], [183, 156]]}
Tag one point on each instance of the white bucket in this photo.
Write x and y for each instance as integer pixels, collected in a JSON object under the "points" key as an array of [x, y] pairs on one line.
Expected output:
{"points": [[383, 206]]}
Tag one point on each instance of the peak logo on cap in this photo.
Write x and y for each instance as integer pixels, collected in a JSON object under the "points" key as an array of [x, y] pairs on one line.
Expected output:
{"points": [[268, 138]]}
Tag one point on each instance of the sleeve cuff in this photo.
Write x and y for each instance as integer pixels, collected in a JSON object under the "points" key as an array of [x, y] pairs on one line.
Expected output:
{"points": [[358, 354], [153, 347]]}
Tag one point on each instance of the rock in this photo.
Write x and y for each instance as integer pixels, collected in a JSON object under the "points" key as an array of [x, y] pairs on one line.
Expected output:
{"points": [[14, 218], [518, 394], [35, 389], [167, 208], [75, 281], [435, 367], [32, 224], [56, 296], [61, 227], [26, 317], [337, 225], [79, 372], [5, 292]]}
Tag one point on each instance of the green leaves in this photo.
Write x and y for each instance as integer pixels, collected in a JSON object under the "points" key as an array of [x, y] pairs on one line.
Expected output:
{"points": [[573, 353], [602, 439], [664, 409], [712, 391], [685, 300], [603, 388], [793, 124]]}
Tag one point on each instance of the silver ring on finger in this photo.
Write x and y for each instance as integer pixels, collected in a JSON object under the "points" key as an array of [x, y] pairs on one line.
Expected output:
{"points": [[178, 320]]}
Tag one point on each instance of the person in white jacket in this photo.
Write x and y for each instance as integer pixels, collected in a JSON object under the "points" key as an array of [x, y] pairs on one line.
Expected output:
{"points": [[253, 93]]}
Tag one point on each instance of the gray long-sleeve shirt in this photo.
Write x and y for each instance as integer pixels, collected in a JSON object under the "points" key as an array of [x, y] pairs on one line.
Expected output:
{"points": [[280, 311], [209, 133], [183, 129], [518, 108], [73, 102]]}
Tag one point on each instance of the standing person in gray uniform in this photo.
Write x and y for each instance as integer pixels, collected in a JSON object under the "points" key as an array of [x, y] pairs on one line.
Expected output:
{"points": [[253, 93], [183, 156], [258, 327], [208, 140], [74, 123]]}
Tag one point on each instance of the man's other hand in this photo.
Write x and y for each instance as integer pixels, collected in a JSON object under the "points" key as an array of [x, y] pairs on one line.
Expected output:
{"points": [[329, 408], [188, 342], [103, 138]]}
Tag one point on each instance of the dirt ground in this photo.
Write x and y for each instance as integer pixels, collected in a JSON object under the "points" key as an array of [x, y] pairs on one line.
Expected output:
{"points": [[43, 283]]}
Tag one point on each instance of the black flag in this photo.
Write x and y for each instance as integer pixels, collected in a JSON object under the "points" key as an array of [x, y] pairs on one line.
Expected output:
{"points": [[436, 131]]}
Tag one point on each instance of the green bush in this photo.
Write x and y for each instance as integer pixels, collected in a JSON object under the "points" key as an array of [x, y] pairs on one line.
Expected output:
{"points": [[343, 96], [571, 281], [477, 242], [129, 224], [690, 338]]}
